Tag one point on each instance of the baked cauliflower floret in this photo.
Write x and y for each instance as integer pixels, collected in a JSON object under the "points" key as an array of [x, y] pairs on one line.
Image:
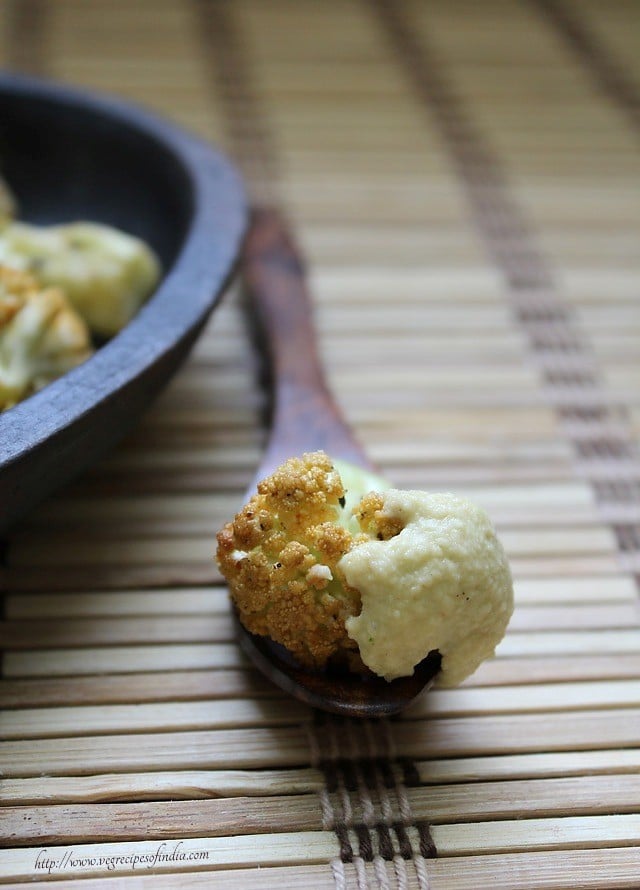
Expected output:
{"points": [[379, 585], [105, 273], [280, 557], [41, 336]]}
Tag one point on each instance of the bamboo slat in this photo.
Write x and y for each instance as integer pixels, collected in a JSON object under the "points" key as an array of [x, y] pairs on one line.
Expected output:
{"points": [[282, 746], [48, 722], [193, 785], [313, 847], [553, 870], [479, 802]]}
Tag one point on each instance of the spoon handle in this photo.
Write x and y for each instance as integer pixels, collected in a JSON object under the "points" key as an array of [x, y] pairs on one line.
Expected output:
{"points": [[305, 416]]}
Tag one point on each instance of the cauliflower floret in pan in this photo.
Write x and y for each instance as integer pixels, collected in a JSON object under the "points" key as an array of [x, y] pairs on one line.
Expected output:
{"points": [[379, 586], [105, 273], [41, 336]]}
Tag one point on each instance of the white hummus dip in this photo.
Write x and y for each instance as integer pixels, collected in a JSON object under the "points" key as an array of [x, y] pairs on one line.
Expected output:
{"points": [[442, 583]]}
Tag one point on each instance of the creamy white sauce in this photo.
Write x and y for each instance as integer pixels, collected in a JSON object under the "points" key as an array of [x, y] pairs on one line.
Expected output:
{"points": [[442, 583]]}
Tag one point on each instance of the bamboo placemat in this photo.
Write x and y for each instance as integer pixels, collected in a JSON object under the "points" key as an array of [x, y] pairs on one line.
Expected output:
{"points": [[464, 180]]}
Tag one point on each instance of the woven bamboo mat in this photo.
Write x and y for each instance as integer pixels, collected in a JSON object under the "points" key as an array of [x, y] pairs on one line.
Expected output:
{"points": [[464, 179]]}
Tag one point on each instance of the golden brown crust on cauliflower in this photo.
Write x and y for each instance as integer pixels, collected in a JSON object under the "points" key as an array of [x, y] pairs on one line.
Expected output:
{"points": [[41, 336], [280, 557], [372, 519]]}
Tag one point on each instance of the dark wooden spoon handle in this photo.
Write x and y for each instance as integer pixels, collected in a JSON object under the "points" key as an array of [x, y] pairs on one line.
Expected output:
{"points": [[305, 415]]}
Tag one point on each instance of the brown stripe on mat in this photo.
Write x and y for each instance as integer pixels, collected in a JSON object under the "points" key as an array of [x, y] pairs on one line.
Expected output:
{"points": [[26, 49], [604, 69], [363, 779], [250, 136], [357, 759], [605, 454]]}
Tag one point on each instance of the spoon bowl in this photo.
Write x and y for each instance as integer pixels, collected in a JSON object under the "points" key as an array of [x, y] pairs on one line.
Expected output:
{"points": [[305, 417], [338, 691]]}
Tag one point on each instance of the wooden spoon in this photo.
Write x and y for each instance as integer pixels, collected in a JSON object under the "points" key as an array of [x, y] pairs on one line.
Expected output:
{"points": [[305, 417]]}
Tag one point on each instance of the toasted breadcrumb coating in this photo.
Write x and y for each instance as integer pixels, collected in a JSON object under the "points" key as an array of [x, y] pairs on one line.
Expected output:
{"points": [[280, 557], [374, 521], [41, 336]]}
